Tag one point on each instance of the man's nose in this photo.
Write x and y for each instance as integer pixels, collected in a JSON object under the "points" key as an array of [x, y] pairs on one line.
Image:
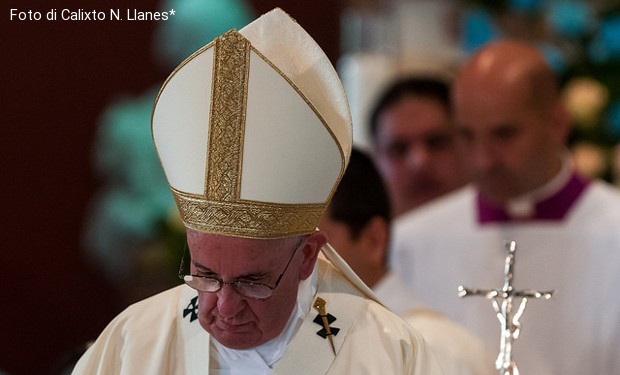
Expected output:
{"points": [[482, 155], [229, 301], [417, 157]]}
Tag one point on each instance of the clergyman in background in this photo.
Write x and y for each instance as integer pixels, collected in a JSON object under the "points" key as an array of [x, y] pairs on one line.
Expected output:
{"points": [[514, 129], [357, 223]]}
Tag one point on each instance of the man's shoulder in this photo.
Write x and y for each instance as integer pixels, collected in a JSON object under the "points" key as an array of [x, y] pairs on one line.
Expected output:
{"points": [[440, 328], [601, 200], [358, 307], [457, 202], [379, 316], [378, 324], [164, 305], [139, 335], [458, 349], [164, 296], [605, 191]]}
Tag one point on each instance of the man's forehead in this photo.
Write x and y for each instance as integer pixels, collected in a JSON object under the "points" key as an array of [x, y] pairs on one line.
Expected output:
{"points": [[487, 110], [227, 256], [414, 129], [216, 242]]}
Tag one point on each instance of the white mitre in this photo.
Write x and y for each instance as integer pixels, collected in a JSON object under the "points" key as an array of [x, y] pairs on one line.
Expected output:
{"points": [[254, 132]]}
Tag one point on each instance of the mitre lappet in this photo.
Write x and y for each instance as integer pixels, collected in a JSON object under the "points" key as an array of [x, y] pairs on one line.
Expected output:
{"points": [[254, 132]]}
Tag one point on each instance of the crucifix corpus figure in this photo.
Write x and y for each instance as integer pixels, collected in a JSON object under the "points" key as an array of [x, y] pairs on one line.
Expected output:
{"points": [[504, 300]]}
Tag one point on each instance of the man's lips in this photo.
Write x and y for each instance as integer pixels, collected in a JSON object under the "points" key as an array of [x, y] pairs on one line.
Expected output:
{"points": [[232, 327]]}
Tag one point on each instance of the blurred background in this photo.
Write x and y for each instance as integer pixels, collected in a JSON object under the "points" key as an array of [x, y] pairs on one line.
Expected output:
{"points": [[89, 225]]}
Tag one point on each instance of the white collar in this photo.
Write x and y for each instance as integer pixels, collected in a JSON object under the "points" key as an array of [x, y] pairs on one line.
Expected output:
{"points": [[523, 206]]}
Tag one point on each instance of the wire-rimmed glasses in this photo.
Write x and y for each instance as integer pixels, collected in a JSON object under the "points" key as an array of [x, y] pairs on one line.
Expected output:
{"points": [[248, 289]]}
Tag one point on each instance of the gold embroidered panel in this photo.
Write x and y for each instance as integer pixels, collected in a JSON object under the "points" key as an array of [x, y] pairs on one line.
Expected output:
{"points": [[227, 123], [247, 218]]}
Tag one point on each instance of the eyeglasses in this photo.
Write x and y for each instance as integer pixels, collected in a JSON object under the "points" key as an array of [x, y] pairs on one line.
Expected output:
{"points": [[248, 289]]}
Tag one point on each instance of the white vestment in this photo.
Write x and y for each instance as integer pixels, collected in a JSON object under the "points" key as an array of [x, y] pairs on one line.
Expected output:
{"points": [[443, 245], [158, 336], [457, 350]]}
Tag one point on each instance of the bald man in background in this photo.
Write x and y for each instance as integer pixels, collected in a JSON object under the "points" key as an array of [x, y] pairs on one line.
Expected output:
{"points": [[514, 130]]}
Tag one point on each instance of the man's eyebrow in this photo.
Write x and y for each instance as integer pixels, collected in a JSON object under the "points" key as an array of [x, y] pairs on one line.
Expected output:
{"points": [[202, 268], [253, 276], [250, 275]]}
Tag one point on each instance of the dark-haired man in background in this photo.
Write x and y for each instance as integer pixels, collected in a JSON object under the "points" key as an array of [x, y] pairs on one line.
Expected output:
{"points": [[413, 142], [358, 225]]}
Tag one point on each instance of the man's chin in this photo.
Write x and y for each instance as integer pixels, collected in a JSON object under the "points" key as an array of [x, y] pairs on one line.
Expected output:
{"points": [[239, 337]]}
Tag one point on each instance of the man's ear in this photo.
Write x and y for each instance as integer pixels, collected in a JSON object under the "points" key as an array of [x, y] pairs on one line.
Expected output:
{"points": [[311, 250], [561, 123], [376, 235]]}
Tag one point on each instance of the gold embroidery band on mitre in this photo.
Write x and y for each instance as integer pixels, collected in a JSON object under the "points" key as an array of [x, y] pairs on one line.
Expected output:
{"points": [[227, 118], [247, 218]]}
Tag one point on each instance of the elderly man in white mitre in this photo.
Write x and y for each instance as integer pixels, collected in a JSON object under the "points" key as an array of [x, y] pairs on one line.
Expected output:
{"points": [[254, 134]]}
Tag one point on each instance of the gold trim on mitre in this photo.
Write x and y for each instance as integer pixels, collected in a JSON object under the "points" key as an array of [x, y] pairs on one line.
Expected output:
{"points": [[247, 218], [220, 210]]}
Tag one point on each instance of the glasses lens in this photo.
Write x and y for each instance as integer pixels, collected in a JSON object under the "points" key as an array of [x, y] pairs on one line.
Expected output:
{"points": [[203, 284], [253, 290], [212, 285]]}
